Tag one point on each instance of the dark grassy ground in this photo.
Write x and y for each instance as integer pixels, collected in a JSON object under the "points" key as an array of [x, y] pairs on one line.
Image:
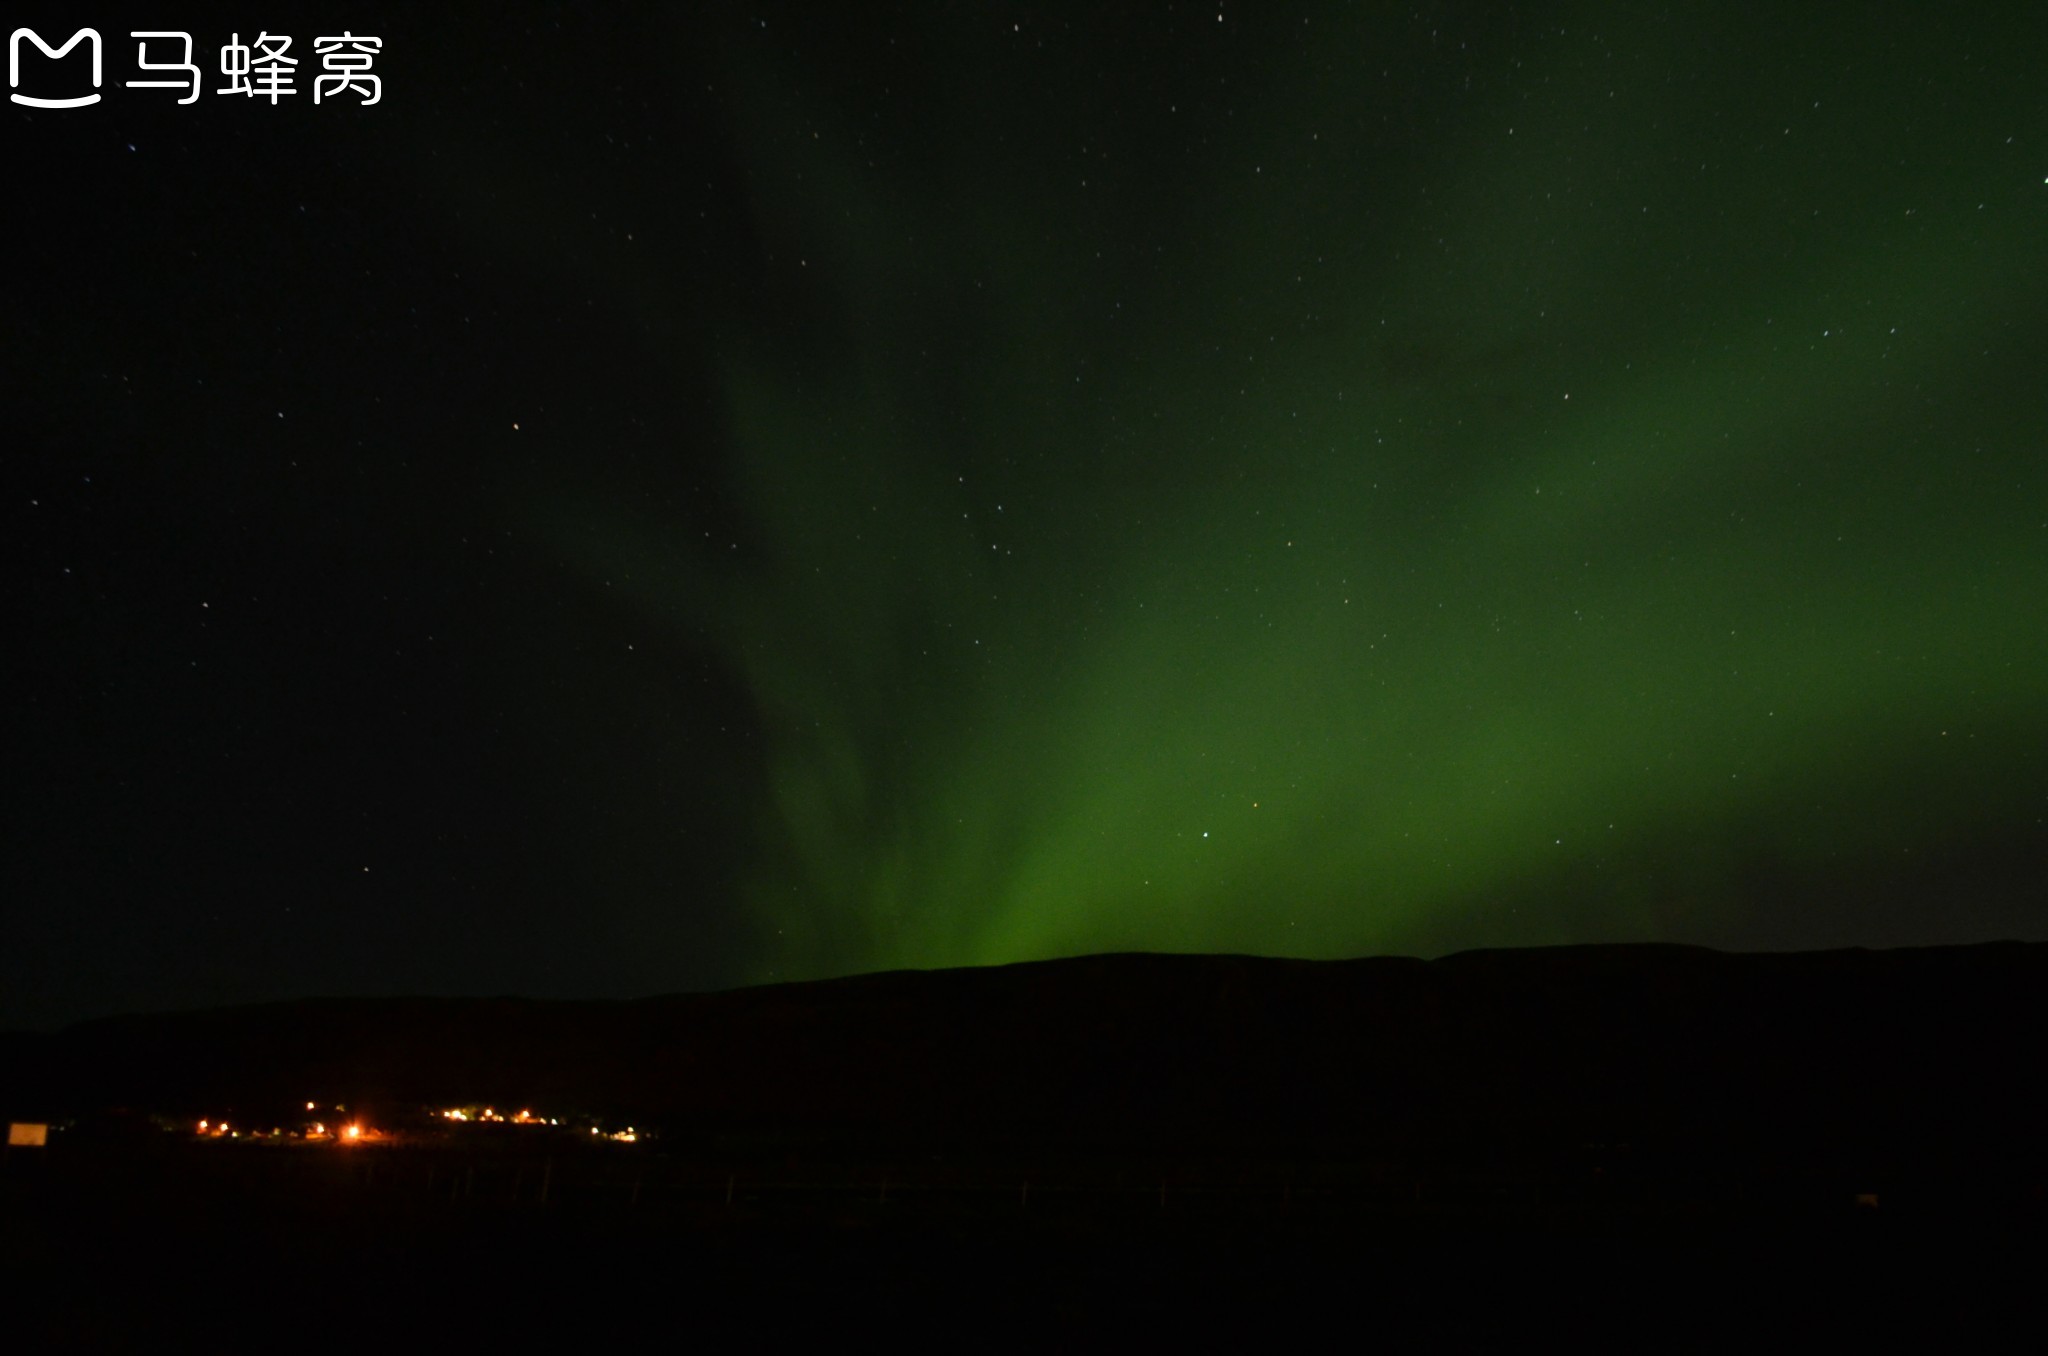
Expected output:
{"points": [[180, 1248]]}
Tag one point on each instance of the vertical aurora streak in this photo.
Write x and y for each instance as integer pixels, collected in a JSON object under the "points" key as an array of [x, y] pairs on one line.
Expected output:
{"points": [[1338, 485]]}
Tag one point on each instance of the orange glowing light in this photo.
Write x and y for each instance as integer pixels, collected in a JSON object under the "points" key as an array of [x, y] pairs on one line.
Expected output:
{"points": [[352, 1131]]}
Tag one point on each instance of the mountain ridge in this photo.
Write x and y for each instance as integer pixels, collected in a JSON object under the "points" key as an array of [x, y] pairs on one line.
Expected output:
{"points": [[1860, 1052]]}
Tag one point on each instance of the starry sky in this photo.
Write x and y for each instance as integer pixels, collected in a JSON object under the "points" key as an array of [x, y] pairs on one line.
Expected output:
{"points": [[674, 497]]}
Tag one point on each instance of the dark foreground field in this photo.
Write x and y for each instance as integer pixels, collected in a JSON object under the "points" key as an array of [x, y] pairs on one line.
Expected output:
{"points": [[196, 1246], [1640, 1148]]}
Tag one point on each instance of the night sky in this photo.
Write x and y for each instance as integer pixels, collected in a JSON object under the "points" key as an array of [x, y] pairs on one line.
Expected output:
{"points": [[679, 497]]}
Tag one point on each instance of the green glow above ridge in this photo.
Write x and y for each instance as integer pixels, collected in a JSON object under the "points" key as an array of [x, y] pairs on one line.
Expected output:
{"points": [[1316, 535]]}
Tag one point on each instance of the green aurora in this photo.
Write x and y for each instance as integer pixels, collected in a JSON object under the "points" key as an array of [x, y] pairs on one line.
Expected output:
{"points": [[1325, 483]]}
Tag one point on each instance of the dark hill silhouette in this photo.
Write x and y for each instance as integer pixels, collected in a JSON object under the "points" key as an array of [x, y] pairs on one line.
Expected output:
{"points": [[1849, 1056], [1638, 1147]]}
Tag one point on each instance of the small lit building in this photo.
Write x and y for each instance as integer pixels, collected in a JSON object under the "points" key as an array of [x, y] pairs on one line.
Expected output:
{"points": [[27, 1134]]}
